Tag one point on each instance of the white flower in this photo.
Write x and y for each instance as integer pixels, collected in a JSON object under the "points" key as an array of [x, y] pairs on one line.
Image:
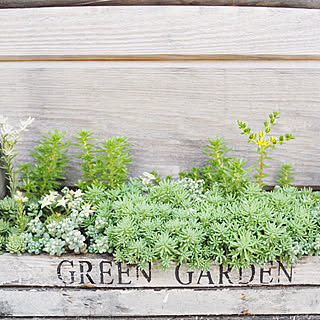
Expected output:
{"points": [[145, 181], [19, 197], [8, 152], [48, 199], [52, 195], [62, 202], [7, 129], [68, 196], [86, 210], [149, 176], [78, 194], [45, 202], [26, 123]]}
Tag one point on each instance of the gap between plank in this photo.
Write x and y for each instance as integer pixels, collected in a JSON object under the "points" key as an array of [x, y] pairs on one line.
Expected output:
{"points": [[222, 57]]}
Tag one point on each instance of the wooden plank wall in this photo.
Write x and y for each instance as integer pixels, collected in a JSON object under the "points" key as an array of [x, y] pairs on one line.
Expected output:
{"points": [[168, 77]]}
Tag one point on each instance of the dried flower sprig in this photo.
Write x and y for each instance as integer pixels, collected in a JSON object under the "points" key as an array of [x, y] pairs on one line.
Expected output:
{"points": [[9, 137]]}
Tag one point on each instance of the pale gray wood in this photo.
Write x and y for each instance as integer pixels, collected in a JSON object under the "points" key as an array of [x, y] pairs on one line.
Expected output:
{"points": [[30, 287], [71, 271], [3, 184], [165, 302], [169, 109], [159, 32], [251, 317], [311, 4]]}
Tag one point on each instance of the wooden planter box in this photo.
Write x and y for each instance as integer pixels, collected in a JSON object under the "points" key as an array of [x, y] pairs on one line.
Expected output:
{"points": [[97, 286]]}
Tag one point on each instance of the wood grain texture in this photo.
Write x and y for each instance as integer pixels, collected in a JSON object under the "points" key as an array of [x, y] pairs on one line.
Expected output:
{"points": [[30, 286], [169, 109], [71, 271], [206, 317], [165, 302], [310, 4], [142, 32]]}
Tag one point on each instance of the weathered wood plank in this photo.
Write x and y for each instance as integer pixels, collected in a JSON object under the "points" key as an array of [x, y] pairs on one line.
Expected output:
{"points": [[164, 32], [32, 286], [95, 271], [165, 302], [169, 109], [210, 317], [310, 4]]}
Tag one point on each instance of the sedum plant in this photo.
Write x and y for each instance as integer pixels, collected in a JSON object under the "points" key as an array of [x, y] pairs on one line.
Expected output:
{"points": [[48, 168], [229, 173], [285, 174], [264, 141], [102, 163], [211, 214], [55, 223], [253, 227], [8, 209], [15, 244]]}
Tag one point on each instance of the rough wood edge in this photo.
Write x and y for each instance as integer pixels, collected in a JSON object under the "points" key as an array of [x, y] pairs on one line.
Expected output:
{"points": [[251, 317], [306, 4]]}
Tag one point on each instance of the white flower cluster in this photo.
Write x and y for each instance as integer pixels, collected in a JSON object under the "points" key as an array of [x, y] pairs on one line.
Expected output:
{"points": [[86, 211], [148, 180], [9, 135], [194, 188], [19, 197], [62, 232], [49, 199], [71, 201]]}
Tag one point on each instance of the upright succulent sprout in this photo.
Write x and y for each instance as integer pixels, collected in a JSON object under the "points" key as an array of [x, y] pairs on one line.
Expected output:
{"points": [[264, 140]]}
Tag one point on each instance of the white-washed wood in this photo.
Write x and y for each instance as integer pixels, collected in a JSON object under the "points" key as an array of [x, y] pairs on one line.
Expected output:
{"points": [[102, 272], [165, 302], [29, 287], [214, 317], [148, 32], [169, 109], [311, 4]]}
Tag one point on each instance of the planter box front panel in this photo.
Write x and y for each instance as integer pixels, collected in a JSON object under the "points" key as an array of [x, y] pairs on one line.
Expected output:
{"points": [[98, 286]]}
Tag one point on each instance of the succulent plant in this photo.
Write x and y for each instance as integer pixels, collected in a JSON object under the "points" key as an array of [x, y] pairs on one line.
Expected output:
{"points": [[8, 208], [4, 226], [15, 244]]}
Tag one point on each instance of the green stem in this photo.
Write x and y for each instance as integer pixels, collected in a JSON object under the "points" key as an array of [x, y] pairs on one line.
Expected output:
{"points": [[261, 167]]}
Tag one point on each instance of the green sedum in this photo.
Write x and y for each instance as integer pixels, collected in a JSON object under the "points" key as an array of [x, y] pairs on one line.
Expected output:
{"points": [[216, 213], [15, 244]]}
